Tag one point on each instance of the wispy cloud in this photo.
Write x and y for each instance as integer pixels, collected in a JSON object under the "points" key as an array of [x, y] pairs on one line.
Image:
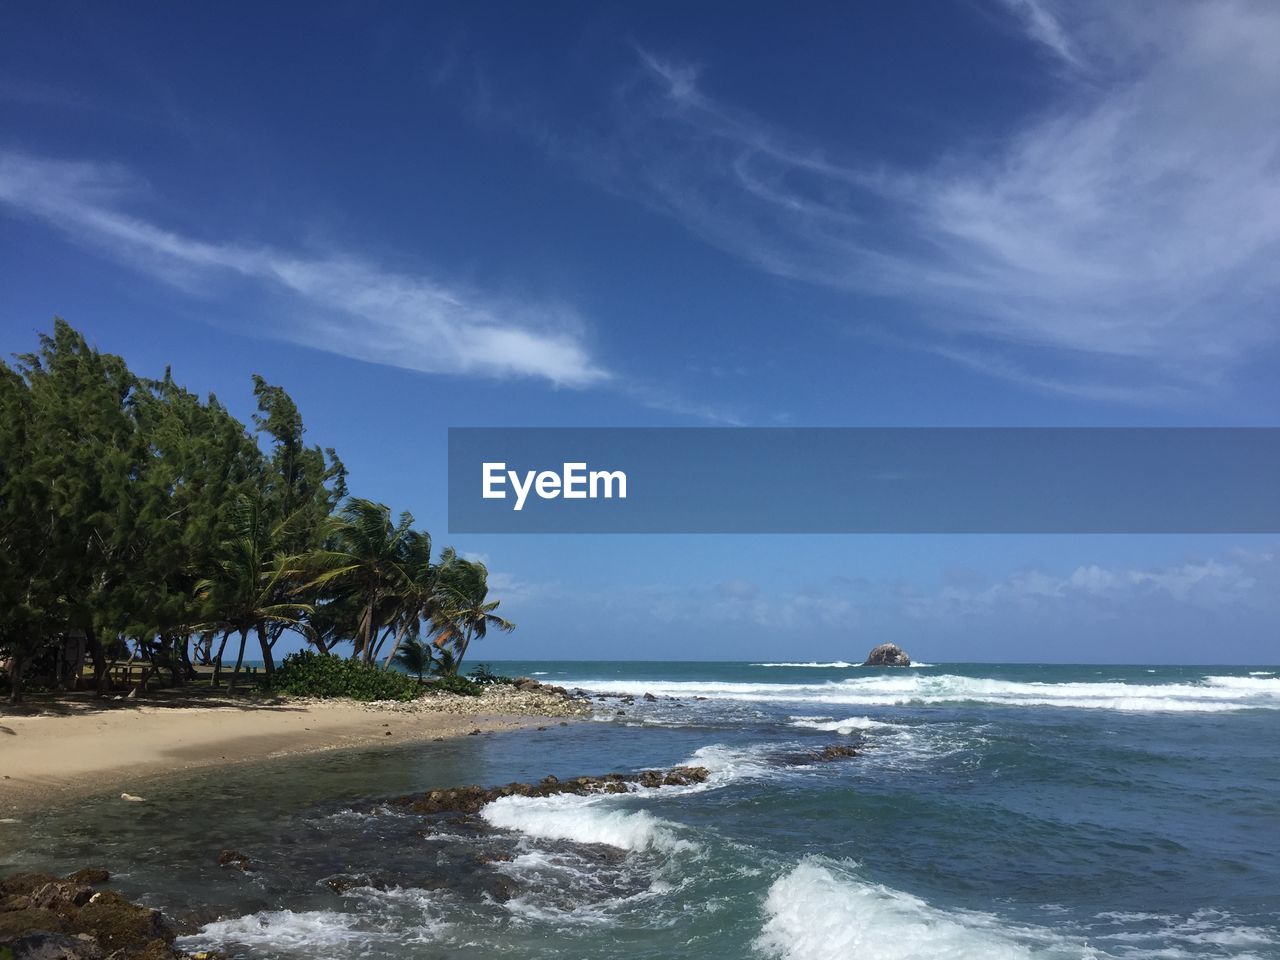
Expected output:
{"points": [[347, 305], [1132, 226], [1043, 25], [1212, 584]]}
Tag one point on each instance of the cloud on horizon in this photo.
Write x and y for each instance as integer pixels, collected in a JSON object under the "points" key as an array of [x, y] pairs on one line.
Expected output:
{"points": [[347, 305]]}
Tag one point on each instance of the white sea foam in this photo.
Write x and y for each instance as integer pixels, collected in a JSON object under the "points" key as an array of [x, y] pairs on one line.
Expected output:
{"points": [[823, 911], [591, 819], [845, 726], [1262, 673], [602, 818], [284, 930], [1210, 694], [833, 665]]}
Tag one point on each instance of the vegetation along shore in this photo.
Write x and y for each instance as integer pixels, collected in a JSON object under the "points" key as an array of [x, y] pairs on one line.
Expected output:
{"points": [[148, 536]]}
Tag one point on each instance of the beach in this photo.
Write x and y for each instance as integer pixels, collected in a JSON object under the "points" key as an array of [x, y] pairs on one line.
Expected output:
{"points": [[83, 747]]}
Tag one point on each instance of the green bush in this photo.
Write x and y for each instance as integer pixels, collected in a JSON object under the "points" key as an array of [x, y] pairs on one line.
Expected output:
{"points": [[484, 674], [455, 684], [308, 674]]}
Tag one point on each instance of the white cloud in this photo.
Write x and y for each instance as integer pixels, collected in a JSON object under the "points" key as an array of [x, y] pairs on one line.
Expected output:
{"points": [[1212, 584], [1126, 234], [347, 305]]}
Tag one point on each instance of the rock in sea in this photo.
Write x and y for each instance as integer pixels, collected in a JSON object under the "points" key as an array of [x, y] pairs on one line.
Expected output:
{"points": [[888, 655]]}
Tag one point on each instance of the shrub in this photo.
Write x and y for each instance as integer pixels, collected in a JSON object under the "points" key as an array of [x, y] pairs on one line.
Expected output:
{"points": [[483, 673], [308, 674], [455, 684]]}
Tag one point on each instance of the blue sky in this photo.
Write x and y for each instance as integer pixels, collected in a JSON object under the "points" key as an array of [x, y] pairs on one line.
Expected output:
{"points": [[986, 212]]}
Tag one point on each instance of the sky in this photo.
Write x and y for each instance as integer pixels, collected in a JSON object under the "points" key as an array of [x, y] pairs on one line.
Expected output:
{"points": [[416, 216]]}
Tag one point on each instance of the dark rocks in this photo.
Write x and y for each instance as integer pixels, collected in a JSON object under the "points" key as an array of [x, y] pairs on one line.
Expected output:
{"points": [[528, 684], [90, 875], [887, 655], [61, 893], [43, 917], [836, 751], [471, 799], [650, 698], [45, 945]]}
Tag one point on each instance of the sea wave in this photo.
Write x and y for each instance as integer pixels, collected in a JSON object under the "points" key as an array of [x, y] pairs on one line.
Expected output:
{"points": [[845, 726], [822, 910], [285, 930], [602, 818], [591, 819], [1210, 694], [833, 665]]}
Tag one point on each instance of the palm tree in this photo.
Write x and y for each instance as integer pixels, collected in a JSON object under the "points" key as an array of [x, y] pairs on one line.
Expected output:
{"points": [[251, 576], [463, 611], [414, 656], [415, 596], [367, 563]]}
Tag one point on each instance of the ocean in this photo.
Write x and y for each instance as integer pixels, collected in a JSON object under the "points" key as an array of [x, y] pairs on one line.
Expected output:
{"points": [[995, 812]]}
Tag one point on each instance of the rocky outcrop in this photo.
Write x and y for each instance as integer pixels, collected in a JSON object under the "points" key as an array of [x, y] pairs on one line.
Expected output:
{"points": [[469, 800], [43, 917], [887, 655], [525, 697]]}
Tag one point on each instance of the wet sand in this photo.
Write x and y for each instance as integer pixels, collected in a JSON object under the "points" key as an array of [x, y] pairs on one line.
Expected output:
{"points": [[93, 747]]}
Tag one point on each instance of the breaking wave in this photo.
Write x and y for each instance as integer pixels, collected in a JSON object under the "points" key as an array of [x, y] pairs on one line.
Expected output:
{"points": [[1210, 694], [821, 910]]}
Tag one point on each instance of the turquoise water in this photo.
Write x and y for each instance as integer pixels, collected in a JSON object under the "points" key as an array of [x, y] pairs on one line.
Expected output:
{"points": [[997, 811]]}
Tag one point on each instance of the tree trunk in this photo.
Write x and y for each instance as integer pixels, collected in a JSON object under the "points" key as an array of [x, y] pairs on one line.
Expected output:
{"points": [[101, 674], [462, 652], [15, 679], [184, 654], [366, 631], [217, 661], [235, 675], [173, 660], [404, 628], [268, 662]]}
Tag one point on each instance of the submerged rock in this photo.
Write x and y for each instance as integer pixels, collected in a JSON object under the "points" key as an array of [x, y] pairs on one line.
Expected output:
{"points": [[887, 655], [234, 858]]}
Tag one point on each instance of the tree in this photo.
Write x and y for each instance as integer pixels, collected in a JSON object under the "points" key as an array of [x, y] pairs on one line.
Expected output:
{"points": [[369, 563], [249, 575], [463, 611], [415, 598], [414, 657]]}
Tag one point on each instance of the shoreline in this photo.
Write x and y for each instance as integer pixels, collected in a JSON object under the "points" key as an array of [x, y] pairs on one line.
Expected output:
{"points": [[99, 747]]}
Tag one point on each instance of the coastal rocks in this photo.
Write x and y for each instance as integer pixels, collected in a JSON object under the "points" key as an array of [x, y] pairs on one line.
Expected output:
{"points": [[43, 917], [471, 799], [836, 751], [524, 697], [43, 945], [887, 655]]}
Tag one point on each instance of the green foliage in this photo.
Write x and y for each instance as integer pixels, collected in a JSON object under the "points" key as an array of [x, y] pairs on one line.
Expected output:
{"points": [[414, 657], [452, 683], [146, 521], [308, 674], [483, 674], [462, 611]]}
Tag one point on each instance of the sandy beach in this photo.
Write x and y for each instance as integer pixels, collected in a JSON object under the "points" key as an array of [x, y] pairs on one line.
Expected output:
{"points": [[100, 746]]}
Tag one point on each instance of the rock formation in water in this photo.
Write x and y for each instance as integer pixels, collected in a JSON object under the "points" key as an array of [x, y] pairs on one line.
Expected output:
{"points": [[44, 917], [888, 655]]}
